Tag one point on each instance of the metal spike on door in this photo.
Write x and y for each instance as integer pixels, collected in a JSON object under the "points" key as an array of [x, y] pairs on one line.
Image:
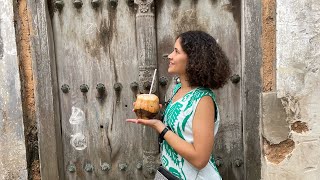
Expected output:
{"points": [[72, 168], [105, 167], [139, 166], [65, 88], [113, 3], [88, 167], [123, 166], [101, 88], [235, 78], [84, 88], [59, 4], [117, 87], [95, 3], [77, 3], [134, 86]]}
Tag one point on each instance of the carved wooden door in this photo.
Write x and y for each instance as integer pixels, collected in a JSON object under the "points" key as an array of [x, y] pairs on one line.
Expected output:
{"points": [[105, 53]]}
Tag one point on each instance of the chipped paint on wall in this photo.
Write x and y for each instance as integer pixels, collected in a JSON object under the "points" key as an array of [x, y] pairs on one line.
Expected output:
{"points": [[12, 143]]}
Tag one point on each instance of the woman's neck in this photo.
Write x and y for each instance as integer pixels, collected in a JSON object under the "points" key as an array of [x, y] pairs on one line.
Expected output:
{"points": [[184, 83]]}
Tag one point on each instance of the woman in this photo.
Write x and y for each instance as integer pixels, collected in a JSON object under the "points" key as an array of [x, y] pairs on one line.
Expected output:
{"points": [[191, 119]]}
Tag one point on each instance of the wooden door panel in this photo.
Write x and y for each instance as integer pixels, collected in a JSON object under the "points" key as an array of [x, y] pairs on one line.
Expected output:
{"points": [[98, 46], [221, 19]]}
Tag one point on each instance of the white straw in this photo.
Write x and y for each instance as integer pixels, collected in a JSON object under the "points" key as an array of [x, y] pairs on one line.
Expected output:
{"points": [[154, 75]]}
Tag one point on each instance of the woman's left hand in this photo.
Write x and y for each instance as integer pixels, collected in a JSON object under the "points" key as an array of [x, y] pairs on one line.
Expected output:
{"points": [[154, 123]]}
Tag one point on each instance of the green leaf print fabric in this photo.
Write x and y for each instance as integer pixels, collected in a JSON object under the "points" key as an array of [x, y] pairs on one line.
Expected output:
{"points": [[179, 116]]}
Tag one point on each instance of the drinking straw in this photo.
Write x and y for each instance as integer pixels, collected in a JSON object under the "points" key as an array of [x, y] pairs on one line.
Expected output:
{"points": [[154, 75]]}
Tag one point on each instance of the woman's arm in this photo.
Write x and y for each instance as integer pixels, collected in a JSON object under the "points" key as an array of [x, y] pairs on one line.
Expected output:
{"points": [[198, 153]]}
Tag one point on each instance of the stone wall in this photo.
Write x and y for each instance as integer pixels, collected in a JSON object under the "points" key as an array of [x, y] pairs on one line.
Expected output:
{"points": [[12, 142], [290, 123]]}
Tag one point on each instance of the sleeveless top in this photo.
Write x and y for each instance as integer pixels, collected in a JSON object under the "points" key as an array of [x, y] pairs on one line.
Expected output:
{"points": [[179, 116]]}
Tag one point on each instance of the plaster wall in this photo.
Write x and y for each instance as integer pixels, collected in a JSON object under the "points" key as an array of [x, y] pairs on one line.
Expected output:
{"points": [[12, 142], [297, 127]]}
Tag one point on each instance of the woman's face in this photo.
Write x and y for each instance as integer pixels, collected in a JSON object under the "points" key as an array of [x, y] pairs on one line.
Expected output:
{"points": [[177, 60]]}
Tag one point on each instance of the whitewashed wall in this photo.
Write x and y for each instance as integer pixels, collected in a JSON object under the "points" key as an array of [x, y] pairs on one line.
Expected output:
{"points": [[298, 87], [12, 146]]}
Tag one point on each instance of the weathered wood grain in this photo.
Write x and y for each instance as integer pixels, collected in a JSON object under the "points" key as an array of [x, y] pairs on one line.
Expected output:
{"points": [[99, 46], [218, 18], [252, 86], [13, 163], [47, 109]]}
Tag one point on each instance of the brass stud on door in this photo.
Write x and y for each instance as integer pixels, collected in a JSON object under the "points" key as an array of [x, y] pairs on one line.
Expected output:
{"points": [[77, 3], [101, 88], [84, 88], [88, 167], [235, 79], [117, 87], [113, 3], [123, 166], [134, 86], [151, 170], [59, 4], [238, 162], [147, 85], [139, 166], [105, 167], [95, 3], [72, 168], [163, 81], [65, 88], [130, 3]]}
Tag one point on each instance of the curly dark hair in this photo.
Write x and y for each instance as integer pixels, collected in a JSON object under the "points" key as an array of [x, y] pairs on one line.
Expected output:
{"points": [[207, 66]]}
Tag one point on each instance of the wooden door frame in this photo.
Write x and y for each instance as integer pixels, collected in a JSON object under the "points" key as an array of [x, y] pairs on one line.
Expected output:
{"points": [[46, 88]]}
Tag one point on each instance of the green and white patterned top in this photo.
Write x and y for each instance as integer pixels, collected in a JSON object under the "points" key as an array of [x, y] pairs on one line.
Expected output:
{"points": [[179, 116]]}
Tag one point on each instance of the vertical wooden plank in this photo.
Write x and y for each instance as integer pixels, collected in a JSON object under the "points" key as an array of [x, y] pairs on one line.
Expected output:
{"points": [[98, 45], [251, 86], [47, 110]]}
